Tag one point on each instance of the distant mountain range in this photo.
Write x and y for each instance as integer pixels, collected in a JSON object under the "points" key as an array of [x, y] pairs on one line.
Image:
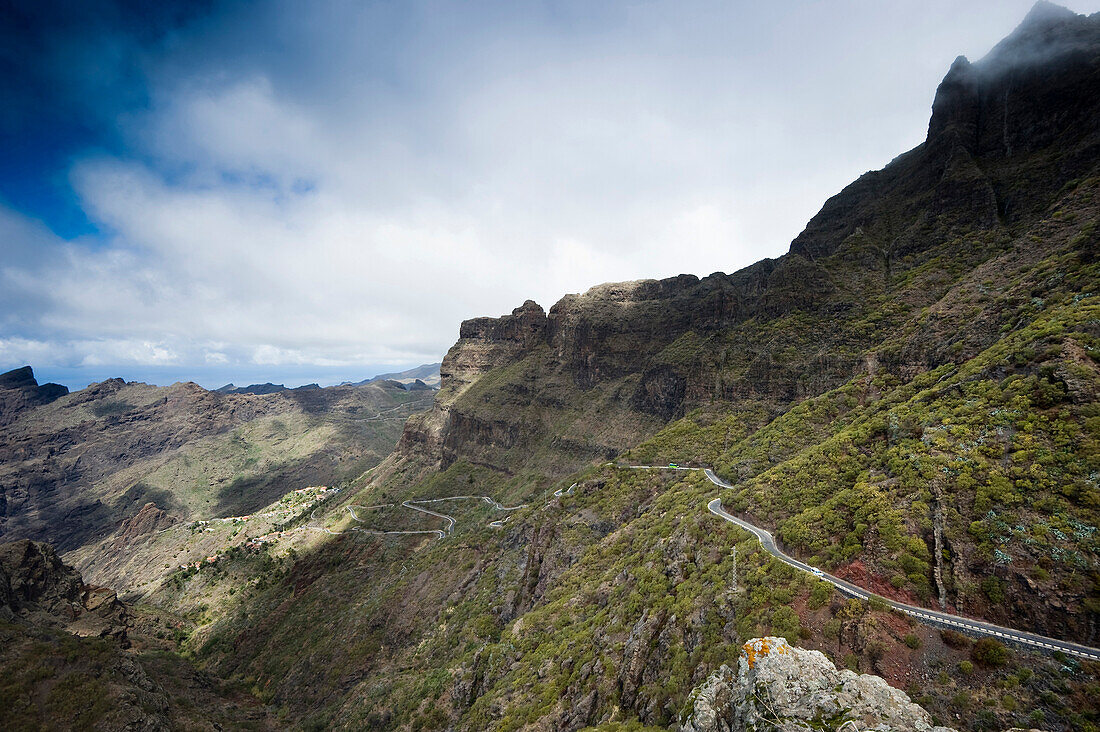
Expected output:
{"points": [[265, 388], [425, 376]]}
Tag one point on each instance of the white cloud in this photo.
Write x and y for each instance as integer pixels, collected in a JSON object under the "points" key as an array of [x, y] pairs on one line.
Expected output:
{"points": [[350, 200], [116, 351]]}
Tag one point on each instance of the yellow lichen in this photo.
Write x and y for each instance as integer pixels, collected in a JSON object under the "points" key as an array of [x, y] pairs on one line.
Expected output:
{"points": [[758, 648]]}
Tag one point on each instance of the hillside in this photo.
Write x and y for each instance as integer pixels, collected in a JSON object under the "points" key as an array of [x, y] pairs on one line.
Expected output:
{"points": [[76, 470], [74, 657], [908, 398]]}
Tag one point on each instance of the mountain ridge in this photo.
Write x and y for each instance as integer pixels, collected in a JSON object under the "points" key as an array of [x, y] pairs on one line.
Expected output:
{"points": [[909, 398]]}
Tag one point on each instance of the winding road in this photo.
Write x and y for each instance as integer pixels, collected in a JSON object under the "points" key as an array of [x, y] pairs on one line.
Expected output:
{"points": [[412, 406], [931, 617], [411, 504]]}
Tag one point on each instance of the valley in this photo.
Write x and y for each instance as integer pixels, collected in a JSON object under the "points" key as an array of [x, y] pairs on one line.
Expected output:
{"points": [[870, 466]]}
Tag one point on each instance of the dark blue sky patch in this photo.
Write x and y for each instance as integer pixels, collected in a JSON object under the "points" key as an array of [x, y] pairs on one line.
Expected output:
{"points": [[69, 71]]}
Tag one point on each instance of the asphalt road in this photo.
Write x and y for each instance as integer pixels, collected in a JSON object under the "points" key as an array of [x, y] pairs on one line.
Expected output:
{"points": [[441, 533], [931, 617]]}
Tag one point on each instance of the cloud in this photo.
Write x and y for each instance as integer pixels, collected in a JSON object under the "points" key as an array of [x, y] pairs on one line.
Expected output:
{"points": [[334, 188]]}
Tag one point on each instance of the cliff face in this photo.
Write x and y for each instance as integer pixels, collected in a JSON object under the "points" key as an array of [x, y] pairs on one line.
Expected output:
{"points": [[37, 588], [1006, 135], [19, 390], [507, 379], [1002, 105]]}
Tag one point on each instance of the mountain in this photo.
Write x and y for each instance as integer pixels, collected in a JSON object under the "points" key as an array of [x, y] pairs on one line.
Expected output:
{"points": [[19, 390], [427, 374], [419, 378], [265, 388], [908, 398], [76, 468]]}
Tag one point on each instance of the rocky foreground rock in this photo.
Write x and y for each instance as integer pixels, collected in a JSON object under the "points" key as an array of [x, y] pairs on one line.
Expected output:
{"points": [[37, 588], [779, 687]]}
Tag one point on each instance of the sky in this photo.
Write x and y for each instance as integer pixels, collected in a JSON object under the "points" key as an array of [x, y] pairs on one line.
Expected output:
{"points": [[299, 192]]}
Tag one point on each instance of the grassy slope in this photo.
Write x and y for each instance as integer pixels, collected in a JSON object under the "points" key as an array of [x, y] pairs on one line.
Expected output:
{"points": [[615, 600]]}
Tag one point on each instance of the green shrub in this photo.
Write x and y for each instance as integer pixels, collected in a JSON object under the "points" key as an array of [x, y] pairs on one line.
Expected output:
{"points": [[912, 641], [989, 652], [966, 667], [994, 589], [820, 595], [954, 639]]}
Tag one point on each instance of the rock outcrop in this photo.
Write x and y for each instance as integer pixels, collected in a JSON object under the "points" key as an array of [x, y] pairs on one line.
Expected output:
{"points": [[20, 390], [779, 687], [37, 588]]}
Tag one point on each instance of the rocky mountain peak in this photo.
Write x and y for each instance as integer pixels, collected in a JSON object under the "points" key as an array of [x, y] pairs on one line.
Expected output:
{"points": [[1014, 91], [18, 378], [19, 390], [1046, 33], [525, 325], [956, 100], [1044, 14]]}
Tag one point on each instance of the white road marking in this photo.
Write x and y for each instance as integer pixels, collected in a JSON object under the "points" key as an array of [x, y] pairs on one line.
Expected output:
{"points": [[974, 626]]}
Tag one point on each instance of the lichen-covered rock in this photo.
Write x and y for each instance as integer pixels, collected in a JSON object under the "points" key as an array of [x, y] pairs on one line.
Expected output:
{"points": [[779, 687]]}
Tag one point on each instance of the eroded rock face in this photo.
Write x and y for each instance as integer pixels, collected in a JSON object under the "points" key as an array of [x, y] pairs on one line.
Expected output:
{"points": [[607, 345], [1038, 88], [36, 587], [779, 687], [19, 390], [650, 351]]}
